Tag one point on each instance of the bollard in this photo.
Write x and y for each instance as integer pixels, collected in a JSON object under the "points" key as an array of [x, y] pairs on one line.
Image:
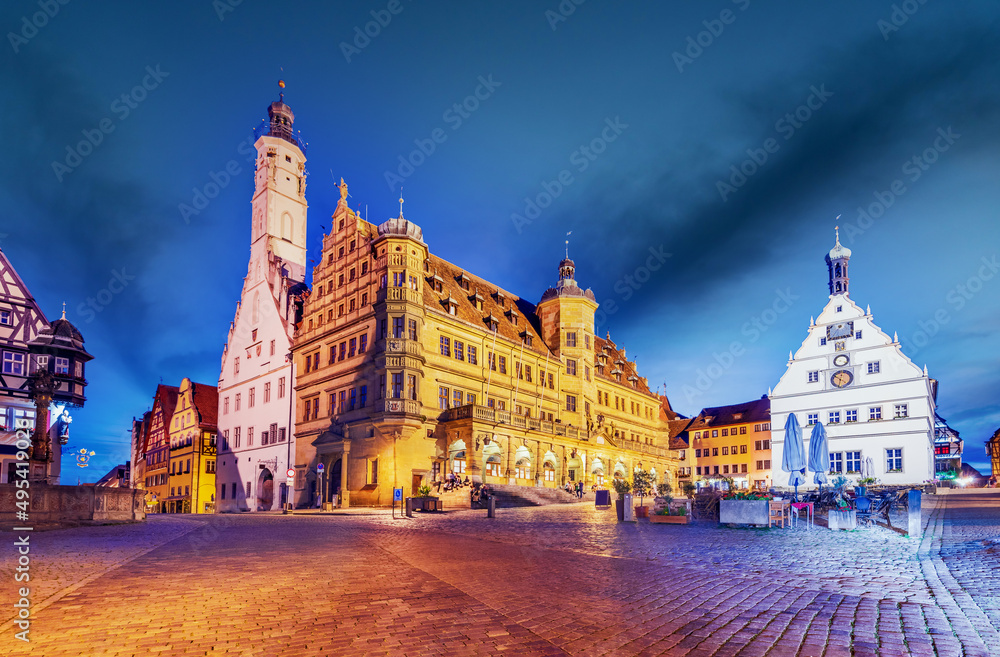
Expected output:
{"points": [[913, 513], [491, 508], [409, 507]]}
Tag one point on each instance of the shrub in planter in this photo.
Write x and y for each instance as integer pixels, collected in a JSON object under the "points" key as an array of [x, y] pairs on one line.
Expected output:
{"points": [[424, 491], [642, 485], [622, 488]]}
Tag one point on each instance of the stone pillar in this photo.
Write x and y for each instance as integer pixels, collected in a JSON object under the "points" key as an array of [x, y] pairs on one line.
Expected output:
{"points": [[564, 469], [471, 454], [510, 458], [913, 514], [345, 494]]}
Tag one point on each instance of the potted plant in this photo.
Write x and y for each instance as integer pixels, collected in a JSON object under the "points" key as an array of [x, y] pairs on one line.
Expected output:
{"points": [[427, 503], [642, 485], [690, 490], [622, 488]]}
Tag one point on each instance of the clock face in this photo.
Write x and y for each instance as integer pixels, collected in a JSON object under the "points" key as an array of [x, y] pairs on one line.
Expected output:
{"points": [[841, 360], [842, 379], [839, 330]]}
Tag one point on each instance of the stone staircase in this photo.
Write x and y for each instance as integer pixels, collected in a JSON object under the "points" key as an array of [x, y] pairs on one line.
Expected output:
{"points": [[510, 496]]}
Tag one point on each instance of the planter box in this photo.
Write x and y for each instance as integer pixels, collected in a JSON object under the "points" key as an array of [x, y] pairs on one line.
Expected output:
{"points": [[842, 519], [668, 520], [425, 503], [642, 512], [743, 512]]}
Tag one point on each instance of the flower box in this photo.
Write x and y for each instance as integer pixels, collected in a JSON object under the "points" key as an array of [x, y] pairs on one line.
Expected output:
{"points": [[641, 511], [743, 512], [669, 520]]}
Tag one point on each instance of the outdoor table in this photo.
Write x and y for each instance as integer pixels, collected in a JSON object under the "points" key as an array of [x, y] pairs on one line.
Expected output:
{"points": [[810, 517]]}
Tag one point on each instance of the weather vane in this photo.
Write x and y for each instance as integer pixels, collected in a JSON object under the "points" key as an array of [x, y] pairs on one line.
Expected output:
{"points": [[567, 244]]}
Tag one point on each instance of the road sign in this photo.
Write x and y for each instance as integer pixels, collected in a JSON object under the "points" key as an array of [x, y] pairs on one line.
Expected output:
{"points": [[319, 466], [290, 473], [397, 494]]}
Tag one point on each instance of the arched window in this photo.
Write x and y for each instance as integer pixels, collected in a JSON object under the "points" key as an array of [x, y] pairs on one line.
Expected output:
{"points": [[836, 271], [838, 287], [286, 227], [256, 307]]}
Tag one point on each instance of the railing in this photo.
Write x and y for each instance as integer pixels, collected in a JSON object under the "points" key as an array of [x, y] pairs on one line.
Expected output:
{"points": [[498, 416], [281, 132], [402, 346], [407, 406]]}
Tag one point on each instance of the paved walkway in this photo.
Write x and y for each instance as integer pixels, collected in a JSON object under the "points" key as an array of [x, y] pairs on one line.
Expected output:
{"points": [[562, 580]]}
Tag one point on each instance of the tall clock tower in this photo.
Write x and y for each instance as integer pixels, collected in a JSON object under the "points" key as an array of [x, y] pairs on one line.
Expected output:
{"points": [[877, 405], [256, 382]]}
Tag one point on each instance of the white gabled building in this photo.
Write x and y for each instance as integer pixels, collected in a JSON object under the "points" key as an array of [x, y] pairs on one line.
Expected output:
{"points": [[256, 385], [876, 404]]}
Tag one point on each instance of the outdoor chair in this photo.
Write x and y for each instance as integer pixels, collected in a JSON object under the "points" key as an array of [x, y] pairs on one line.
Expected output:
{"points": [[777, 514], [863, 510]]}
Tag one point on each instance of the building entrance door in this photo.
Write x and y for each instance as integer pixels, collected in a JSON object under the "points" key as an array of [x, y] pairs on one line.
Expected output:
{"points": [[333, 486], [417, 481], [265, 491]]}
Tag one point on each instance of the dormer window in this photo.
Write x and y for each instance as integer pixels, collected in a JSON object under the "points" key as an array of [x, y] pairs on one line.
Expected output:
{"points": [[526, 338], [477, 300], [436, 283], [451, 304], [492, 322], [501, 299], [463, 281], [512, 316]]}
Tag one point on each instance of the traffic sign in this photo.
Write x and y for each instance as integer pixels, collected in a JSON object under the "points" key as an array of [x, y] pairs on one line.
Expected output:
{"points": [[397, 494], [319, 466], [290, 473]]}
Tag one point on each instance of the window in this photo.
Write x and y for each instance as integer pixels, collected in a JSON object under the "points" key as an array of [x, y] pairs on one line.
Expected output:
{"points": [[571, 339], [397, 327], [373, 471], [715, 451], [834, 417], [397, 385], [381, 329], [456, 398], [743, 449], [715, 469], [446, 346], [459, 350], [363, 396], [281, 388], [857, 335], [893, 460], [364, 298], [62, 366], [352, 399], [874, 413], [352, 346], [237, 402], [381, 386], [443, 398], [586, 372], [873, 367], [697, 453], [822, 342], [236, 438], [725, 469], [236, 365], [411, 325], [308, 410], [5, 317], [814, 376], [272, 347], [503, 364], [698, 469], [725, 451], [901, 411], [362, 343], [210, 466], [553, 387], [853, 462], [570, 367], [472, 355], [340, 310], [836, 462], [411, 386], [725, 432], [252, 397], [852, 415], [840, 309], [225, 406], [715, 432], [813, 418], [571, 403], [343, 350], [493, 469], [471, 399], [743, 468]]}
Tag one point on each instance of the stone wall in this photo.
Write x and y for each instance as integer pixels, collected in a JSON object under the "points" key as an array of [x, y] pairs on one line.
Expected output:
{"points": [[72, 504]]}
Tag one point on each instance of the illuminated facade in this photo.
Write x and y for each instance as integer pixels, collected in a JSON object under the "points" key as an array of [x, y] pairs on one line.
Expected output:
{"points": [[410, 367], [193, 430], [733, 442]]}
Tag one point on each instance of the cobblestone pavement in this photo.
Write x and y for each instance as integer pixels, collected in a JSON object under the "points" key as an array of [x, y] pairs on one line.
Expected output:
{"points": [[564, 580]]}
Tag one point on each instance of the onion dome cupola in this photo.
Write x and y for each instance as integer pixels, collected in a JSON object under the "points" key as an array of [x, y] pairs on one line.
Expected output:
{"points": [[58, 348], [400, 227], [837, 261], [567, 283]]}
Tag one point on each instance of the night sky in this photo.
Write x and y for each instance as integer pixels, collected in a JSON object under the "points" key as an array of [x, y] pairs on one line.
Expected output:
{"points": [[627, 124]]}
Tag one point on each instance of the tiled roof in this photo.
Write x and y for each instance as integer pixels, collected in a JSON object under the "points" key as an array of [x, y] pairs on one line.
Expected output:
{"points": [[679, 432], [616, 360], [206, 401], [450, 275], [168, 402], [758, 410]]}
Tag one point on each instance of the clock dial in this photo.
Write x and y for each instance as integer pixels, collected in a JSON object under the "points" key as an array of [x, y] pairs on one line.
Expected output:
{"points": [[841, 360], [842, 379]]}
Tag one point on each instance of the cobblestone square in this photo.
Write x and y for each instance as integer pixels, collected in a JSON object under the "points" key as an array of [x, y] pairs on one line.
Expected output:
{"points": [[556, 580]]}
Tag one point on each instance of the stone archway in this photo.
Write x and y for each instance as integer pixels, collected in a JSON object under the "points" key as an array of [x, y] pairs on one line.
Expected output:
{"points": [[265, 490], [333, 481]]}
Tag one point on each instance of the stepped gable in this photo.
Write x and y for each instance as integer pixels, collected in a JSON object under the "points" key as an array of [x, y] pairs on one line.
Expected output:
{"points": [[450, 276]]}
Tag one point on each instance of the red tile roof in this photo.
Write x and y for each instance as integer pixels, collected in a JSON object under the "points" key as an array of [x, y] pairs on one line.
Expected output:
{"points": [[758, 410], [206, 403]]}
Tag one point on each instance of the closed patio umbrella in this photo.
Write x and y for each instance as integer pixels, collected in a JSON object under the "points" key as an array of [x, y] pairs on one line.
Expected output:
{"points": [[793, 457], [819, 454]]}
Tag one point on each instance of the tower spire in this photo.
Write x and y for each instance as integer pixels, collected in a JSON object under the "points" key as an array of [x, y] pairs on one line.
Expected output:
{"points": [[837, 261], [400, 202]]}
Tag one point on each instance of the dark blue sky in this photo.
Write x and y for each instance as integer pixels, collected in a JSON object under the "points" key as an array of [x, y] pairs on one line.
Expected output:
{"points": [[880, 89]]}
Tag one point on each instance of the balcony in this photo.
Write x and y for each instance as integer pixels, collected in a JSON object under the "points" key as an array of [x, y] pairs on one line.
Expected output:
{"points": [[403, 346], [398, 294]]}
